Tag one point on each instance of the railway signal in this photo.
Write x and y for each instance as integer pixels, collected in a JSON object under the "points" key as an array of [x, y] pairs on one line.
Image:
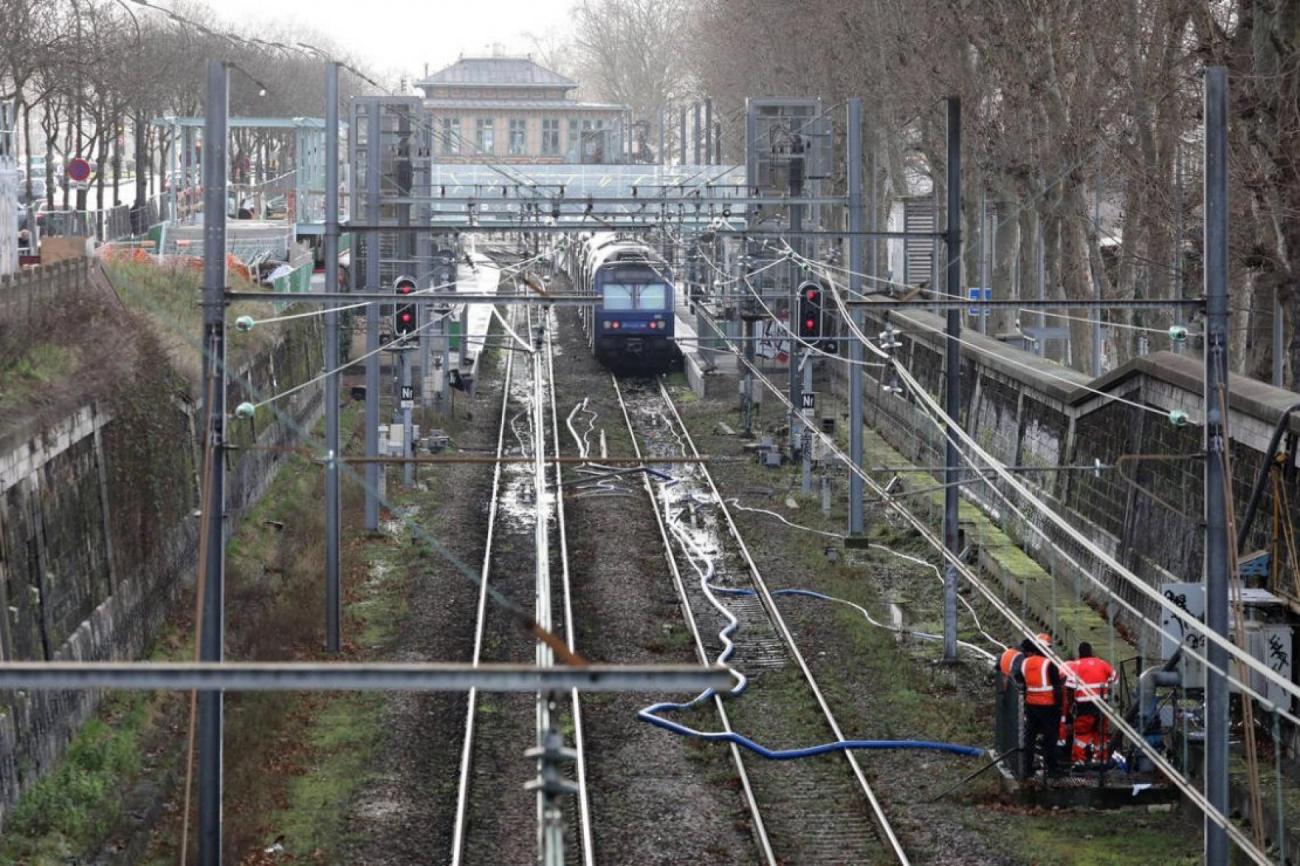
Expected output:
{"points": [[811, 313], [404, 314]]}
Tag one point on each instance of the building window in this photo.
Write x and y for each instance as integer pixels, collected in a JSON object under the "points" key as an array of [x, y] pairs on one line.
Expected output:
{"points": [[484, 136], [518, 136], [451, 135], [550, 137], [574, 140]]}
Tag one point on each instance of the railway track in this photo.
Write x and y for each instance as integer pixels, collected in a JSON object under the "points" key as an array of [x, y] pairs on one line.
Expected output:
{"points": [[803, 811], [492, 806]]}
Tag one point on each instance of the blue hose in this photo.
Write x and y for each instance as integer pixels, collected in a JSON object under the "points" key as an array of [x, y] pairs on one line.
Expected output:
{"points": [[650, 713]]}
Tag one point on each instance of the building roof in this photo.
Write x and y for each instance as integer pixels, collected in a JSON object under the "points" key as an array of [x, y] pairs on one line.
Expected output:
{"points": [[520, 105], [496, 72]]}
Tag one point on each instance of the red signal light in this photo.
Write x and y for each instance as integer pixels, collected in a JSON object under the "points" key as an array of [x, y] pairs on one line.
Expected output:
{"points": [[811, 294]]}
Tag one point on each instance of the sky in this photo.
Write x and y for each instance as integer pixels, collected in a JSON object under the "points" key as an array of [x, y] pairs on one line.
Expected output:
{"points": [[398, 37]]}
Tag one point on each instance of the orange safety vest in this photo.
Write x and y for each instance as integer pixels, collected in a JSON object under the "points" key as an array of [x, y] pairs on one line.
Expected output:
{"points": [[1091, 679], [1010, 662], [1039, 691]]}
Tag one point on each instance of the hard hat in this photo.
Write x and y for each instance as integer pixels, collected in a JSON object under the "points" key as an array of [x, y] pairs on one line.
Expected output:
{"points": [[1044, 638]]}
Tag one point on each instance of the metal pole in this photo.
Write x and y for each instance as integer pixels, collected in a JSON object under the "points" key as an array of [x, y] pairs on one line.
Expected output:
{"points": [[331, 243], [717, 142], [408, 447], [374, 161], [806, 436], [952, 403], [425, 264], [796, 224], [708, 130], [856, 256], [1216, 438], [697, 141], [211, 641]]}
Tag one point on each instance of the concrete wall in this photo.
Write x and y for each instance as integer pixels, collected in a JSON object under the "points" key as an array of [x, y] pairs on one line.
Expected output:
{"points": [[98, 534], [1030, 412]]}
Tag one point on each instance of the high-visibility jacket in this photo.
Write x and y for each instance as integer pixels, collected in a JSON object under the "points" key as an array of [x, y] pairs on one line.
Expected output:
{"points": [[1037, 674], [1091, 679], [1009, 663]]}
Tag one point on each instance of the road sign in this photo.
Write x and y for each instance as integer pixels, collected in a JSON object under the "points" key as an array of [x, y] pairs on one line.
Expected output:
{"points": [[408, 397], [808, 400], [78, 170], [979, 295]]}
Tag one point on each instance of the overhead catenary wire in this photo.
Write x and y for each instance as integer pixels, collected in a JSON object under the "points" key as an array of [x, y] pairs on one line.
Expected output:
{"points": [[388, 347], [1125, 325], [893, 502], [1035, 369], [939, 418], [735, 503], [1179, 780]]}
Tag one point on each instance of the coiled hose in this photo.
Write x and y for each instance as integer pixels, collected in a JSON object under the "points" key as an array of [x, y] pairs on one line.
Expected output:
{"points": [[697, 554]]}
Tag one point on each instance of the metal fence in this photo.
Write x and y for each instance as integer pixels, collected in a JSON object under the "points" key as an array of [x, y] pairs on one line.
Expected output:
{"points": [[105, 225]]}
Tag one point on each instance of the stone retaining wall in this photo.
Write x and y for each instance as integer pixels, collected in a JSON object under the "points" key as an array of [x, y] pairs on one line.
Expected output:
{"points": [[98, 533]]}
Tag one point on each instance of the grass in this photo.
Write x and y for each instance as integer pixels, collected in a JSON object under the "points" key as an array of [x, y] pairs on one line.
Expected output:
{"points": [[42, 364], [340, 739], [168, 297], [73, 808], [1094, 838]]}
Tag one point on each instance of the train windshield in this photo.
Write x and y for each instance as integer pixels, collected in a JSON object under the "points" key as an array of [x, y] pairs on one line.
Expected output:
{"points": [[636, 296], [619, 296], [652, 296]]}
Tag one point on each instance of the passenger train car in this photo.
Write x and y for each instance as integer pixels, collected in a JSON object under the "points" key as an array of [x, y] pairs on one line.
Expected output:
{"points": [[630, 322]]}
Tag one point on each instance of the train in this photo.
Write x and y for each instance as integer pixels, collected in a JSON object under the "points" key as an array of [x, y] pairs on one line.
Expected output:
{"points": [[629, 324]]}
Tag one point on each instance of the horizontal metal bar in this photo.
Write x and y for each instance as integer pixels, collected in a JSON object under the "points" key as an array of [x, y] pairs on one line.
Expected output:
{"points": [[484, 458], [583, 201], [393, 297], [589, 225], [882, 300], [825, 233], [1096, 468], [313, 676]]}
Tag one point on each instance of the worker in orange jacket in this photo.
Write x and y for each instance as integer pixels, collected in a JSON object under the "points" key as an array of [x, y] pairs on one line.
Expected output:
{"points": [[1089, 679], [1012, 658], [1044, 699]]}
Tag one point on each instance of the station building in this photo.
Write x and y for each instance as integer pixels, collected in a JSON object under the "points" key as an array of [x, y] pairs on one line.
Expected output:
{"points": [[513, 110]]}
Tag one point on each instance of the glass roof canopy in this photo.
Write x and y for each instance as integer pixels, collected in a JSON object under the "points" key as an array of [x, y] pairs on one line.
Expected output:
{"points": [[517, 192]]}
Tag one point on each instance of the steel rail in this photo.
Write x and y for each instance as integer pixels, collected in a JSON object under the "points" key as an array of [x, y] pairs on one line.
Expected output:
{"points": [[462, 793], [570, 627], [765, 596], [760, 828]]}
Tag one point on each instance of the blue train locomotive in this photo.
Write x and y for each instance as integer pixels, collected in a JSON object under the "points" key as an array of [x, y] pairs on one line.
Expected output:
{"points": [[630, 322]]}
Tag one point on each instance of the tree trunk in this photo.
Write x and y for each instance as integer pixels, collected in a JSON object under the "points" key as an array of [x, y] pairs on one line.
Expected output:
{"points": [[1075, 279], [1006, 252]]}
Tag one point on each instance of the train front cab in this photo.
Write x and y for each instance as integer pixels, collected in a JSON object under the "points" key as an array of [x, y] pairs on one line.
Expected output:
{"points": [[633, 319]]}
